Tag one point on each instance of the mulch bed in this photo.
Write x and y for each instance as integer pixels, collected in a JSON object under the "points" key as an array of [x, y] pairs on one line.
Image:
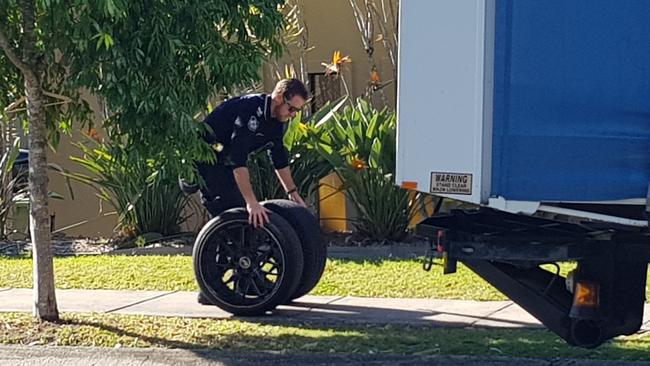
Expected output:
{"points": [[69, 246], [61, 246]]}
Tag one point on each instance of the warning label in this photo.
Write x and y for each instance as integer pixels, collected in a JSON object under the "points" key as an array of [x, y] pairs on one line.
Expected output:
{"points": [[451, 183]]}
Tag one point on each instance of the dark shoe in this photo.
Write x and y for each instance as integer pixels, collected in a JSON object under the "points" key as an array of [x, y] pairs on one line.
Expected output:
{"points": [[203, 300]]}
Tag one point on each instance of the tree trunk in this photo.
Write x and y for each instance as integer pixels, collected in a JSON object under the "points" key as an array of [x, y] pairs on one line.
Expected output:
{"points": [[39, 218], [30, 66], [3, 178]]}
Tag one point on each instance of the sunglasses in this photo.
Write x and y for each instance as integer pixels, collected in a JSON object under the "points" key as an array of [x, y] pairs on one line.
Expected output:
{"points": [[292, 109]]}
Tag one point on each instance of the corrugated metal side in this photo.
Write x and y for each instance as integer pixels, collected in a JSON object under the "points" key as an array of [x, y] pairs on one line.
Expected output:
{"points": [[572, 100]]}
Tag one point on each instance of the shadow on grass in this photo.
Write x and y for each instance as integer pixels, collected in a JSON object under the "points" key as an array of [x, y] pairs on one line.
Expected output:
{"points": [[388, 340], [153, 340], [21, 256], [376, 315]]}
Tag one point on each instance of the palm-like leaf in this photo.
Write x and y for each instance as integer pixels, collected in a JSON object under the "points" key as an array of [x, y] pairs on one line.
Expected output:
{"points": [[146, 198], [360, 146], [13, 184]]}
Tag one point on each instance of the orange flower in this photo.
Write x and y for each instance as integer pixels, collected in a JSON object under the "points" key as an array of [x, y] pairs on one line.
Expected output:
{"points": [[93, 134], [358, 163], [374, 77], [337, 61]]}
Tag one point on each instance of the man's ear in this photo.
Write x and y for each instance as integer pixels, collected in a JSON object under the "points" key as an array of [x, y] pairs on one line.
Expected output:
{"points": [[276, 100]]}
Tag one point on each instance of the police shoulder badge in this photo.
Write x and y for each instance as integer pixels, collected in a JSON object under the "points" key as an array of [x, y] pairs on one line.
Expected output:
{"points": [[218, 147], [253, 124]]}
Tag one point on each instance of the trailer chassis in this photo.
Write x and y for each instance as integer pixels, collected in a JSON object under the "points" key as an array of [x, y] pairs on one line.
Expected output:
{"points": [[602, 298]]}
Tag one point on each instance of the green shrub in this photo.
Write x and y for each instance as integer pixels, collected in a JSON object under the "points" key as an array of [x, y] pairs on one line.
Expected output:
{"points": [[12, 186], [147, 198], [262, 175], [360, 146]]}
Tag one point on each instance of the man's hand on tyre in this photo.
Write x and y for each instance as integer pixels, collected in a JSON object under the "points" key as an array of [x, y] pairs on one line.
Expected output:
{"points": [[258, 215], [295, 197]]}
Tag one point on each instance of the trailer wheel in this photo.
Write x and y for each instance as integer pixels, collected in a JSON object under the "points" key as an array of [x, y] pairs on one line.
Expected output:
{"points": [[245, 270], [586, 333], [314, 248]]}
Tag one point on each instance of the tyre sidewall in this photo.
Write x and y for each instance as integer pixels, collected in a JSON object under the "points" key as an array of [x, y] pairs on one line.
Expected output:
{"points": [[292, 258], [313, 246]]}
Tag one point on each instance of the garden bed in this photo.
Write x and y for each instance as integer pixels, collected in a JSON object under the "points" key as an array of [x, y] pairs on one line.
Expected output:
{"points": [[61, 246], [182, 245]]}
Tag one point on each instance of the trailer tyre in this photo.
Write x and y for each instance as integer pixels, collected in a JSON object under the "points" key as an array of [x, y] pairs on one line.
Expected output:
{"points": [[586, 333], [245, 270], [314, 248]]}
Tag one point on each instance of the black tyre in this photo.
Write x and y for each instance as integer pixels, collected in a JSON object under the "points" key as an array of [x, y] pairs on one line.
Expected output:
{"points": [[314, 249], [246, 270]]}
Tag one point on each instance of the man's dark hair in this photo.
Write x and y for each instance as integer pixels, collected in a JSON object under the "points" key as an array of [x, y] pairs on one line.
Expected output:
{"points": [[289, 88]]}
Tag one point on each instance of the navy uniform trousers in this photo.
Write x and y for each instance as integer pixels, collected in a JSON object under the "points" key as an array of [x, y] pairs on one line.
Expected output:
{"points": [[221, 192]]}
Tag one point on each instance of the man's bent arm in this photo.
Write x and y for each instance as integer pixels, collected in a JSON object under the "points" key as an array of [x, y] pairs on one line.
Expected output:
{"points": [[257, 214], [242, 177], [284, 175]]}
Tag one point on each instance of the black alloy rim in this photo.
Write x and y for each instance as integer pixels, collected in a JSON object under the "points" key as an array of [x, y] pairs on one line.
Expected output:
{"points": [[241, 265]]}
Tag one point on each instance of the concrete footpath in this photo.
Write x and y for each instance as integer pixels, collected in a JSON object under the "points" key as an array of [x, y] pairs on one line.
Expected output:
{"points": [[321, 309]]}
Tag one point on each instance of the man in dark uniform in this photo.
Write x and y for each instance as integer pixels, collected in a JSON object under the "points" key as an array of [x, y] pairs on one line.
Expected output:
{"points": [[238, 127]]}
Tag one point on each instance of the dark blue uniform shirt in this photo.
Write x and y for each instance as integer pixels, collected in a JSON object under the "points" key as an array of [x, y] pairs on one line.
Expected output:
{"points": [[244, 124]]}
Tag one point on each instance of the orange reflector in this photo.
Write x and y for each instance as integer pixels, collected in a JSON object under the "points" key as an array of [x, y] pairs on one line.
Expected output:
{"points": [[440, 235], [409, 185], [586, 295]]}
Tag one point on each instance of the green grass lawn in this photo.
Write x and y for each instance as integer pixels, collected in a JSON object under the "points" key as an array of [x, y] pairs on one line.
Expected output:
{"points": [[110, 330], [388, 278]]}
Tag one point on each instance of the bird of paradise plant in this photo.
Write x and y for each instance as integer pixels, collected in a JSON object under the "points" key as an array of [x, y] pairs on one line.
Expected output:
{"points": [[360, 146], [335, 67]]}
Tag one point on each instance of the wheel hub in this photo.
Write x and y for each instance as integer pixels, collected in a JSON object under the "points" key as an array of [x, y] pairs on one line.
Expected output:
{"points": [[245, 262]]}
